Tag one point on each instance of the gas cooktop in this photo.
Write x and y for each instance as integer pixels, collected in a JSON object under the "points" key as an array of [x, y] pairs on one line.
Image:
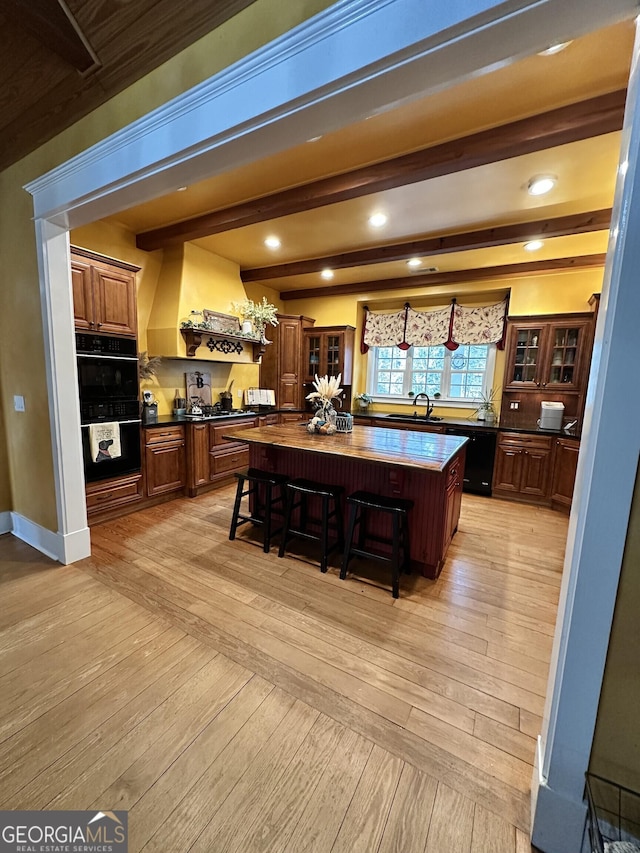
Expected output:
{"points": [[217, 415]]}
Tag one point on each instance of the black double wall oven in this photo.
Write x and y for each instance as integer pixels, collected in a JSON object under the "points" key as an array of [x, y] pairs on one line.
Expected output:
{"points": [[109, 404]]}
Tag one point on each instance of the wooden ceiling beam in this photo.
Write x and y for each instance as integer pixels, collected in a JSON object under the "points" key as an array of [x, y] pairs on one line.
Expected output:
{"points": [[452, 277], [485, 238], [52, 23], [591, 117]]}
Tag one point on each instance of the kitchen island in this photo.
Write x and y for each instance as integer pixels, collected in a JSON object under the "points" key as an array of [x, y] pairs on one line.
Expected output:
{"points": [[426, 468]]}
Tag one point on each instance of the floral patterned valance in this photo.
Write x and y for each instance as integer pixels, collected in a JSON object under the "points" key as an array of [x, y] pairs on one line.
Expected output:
{"points": [[450, 326]]}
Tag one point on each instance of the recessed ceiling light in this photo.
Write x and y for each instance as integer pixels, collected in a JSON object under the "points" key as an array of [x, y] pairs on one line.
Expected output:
{"points": [[533, 245], [272, 243], [314, 138], [541, 184], [555, 48], [181, 189], [327, 274], [378, 220], [414, 262]]}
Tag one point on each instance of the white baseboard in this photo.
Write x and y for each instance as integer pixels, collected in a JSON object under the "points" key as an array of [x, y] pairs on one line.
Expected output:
{"points": [[65, 549], [5, 522]]}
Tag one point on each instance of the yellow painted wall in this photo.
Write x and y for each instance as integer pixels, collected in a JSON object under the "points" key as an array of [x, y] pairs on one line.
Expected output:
{"points": [[28, 454], [5, 487], [542, 294], [616, 746]]}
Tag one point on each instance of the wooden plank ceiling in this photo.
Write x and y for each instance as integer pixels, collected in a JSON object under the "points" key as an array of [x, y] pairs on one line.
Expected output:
{"points": [[59, 61]]}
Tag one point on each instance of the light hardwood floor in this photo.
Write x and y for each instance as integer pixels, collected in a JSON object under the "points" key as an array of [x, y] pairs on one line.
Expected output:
{"points": [[234, 701]]}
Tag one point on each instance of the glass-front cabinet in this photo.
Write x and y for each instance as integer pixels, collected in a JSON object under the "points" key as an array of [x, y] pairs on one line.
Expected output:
{"points": [[329, 351], [547, 355]]}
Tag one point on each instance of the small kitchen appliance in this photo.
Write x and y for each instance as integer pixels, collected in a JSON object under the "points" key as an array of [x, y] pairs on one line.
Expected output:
{"points": [[551, 415]]}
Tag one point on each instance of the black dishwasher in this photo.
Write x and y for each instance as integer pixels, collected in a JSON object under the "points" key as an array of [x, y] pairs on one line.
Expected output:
{"points": [[481, 451]]}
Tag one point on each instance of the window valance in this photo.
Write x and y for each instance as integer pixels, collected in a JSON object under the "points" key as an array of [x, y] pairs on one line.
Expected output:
{"points": [[451, 326]]}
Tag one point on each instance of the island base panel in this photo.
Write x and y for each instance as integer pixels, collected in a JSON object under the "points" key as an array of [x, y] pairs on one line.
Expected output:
{"points": [[433, 519]]}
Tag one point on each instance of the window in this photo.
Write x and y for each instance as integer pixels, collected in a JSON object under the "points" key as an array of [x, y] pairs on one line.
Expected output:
{"points": [[461, 375]]}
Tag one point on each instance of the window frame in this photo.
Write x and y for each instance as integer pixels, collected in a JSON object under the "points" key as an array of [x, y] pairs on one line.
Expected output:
{"points": [[449, 402]]}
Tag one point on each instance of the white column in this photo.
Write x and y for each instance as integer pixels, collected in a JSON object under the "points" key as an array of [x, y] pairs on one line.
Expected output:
{"points": [[599, 519], [73, 541]]}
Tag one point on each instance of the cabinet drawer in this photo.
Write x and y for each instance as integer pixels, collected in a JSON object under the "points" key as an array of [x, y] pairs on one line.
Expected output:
{"points": [[293, 418], [114, 494], [226, 463], [218, 431], [162, 435], [525, 442], [268, 420]]}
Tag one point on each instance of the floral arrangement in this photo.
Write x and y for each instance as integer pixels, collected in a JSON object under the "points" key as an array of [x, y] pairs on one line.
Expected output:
{"points": [[485, 410], [260, 313], [363, 400], [327, 389], [148, 367]]}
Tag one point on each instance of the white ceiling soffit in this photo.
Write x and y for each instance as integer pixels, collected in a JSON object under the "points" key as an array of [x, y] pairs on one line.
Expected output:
{"points": [[381, 54]]}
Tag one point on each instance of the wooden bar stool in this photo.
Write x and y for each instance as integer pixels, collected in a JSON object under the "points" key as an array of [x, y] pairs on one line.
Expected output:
{"points": [[265, 491], [298, 494], [361, 504]]}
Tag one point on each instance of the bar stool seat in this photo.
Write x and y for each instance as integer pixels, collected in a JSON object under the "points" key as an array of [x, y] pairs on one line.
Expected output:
{"points": [[361, 505], [266, 494], [299, 492]]}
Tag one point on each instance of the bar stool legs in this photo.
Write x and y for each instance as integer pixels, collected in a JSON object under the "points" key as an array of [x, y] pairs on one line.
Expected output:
{"points": [[260, 512], [298, 494], [360, 504]]}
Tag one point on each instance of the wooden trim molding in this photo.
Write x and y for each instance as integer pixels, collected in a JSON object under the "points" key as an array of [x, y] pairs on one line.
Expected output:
{"points": [[96, 256], [579, 223], [591, 117], [453, 277]]}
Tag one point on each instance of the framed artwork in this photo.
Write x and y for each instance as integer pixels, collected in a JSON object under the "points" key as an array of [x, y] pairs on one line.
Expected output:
{"points": [[222, 323]]}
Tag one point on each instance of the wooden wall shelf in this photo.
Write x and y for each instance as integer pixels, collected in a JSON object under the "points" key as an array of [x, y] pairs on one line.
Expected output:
{"points": [[217, 342]]}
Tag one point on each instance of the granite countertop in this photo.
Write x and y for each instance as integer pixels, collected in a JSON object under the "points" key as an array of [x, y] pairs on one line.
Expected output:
{"points": [[169, 420], [507, 423]]}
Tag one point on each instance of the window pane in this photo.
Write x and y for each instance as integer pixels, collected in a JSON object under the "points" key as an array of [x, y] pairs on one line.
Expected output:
{"points": [[385, 352], [384, 364]]}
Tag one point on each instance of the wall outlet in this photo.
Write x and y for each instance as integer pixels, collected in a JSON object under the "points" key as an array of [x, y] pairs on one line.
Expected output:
{"points": [[514, 404], [18, 402]]}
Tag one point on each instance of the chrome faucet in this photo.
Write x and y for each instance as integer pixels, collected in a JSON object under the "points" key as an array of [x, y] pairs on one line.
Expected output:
{"points": [[429, 406]]}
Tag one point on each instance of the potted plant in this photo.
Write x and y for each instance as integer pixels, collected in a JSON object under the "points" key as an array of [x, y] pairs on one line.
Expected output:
{"points": [[363, 400], [258, 314], [485, 411]]}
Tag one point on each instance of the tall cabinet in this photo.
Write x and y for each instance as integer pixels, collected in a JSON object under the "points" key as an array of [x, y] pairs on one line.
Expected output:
{"points": [[282, 366], [328, 351]]}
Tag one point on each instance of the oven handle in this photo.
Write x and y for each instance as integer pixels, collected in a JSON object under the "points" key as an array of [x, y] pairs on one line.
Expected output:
{"points": [[86, 426], [104, 355]]}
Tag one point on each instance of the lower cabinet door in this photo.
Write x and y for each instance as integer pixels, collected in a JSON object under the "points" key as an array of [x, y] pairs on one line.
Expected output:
{"points": [[536, 470], [507, 469], [165, 468], [564, 470]]}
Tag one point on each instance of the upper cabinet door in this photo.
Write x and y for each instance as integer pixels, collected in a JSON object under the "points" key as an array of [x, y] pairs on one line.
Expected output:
{"points": [[566, 353], [115, 301], [526, 347], [83, 311]]}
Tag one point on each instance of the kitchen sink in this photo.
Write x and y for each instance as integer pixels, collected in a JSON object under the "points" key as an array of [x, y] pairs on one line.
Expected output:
{"points": [[411, 419]]}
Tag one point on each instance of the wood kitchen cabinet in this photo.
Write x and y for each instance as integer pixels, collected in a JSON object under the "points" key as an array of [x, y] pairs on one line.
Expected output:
{"points": [[104, 294], [565, 464], [282, 367], [227, 456], [548, 353], [165, 460], [523, 467], [111, 498], [328, 351]]}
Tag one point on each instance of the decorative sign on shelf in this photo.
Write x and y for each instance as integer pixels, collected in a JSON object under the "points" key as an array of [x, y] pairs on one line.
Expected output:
{"points": [[224, 324]]}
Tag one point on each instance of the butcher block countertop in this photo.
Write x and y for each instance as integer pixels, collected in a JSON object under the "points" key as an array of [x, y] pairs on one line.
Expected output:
{"points": [[404, 448]]}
